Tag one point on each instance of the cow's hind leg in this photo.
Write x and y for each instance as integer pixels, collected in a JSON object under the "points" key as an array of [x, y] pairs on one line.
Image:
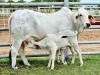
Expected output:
{"points": [[13, 57], [14, 51], [21, 52]]}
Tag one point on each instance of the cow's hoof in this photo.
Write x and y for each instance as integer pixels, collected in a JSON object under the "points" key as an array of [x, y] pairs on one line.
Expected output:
{"points": [[72, 62], [15, 68], [28, 64], [81, 65], [52, 68]]}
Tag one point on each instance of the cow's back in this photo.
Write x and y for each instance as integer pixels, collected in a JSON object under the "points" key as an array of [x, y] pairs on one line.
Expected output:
{"points": [[51, 23], [31, 23]]}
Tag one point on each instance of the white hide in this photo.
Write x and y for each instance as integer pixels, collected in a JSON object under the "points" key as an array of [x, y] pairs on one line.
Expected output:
{"points": [[26, 23], [54, 42]]}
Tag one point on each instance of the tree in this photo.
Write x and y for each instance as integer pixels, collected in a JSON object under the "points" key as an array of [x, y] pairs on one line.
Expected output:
{"points": [[54, 0], [9, 1], [1, 1], [74, 0], [21, 1]]}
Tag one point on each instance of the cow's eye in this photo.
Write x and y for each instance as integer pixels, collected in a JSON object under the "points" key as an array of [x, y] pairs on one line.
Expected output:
{"points": [[80, 15]]}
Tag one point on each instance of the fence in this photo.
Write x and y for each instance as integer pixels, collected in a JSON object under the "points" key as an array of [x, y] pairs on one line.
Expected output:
{"points": [[51, 7]]}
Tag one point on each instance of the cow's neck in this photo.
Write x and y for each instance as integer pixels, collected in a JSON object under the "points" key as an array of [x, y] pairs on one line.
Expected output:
{"points": [[76, 26]]}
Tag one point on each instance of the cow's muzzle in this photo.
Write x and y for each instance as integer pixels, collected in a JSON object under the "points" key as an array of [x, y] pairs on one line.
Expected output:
{"points": [[88, 25]]}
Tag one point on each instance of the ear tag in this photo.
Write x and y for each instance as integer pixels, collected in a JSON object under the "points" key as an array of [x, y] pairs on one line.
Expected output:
{"points": [[91, 20]]}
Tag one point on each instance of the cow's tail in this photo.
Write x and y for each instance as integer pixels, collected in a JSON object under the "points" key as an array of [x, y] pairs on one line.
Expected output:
{"points": [[9, 26]]}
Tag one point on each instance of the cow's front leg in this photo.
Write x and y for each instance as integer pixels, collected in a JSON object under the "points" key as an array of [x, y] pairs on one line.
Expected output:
{"points": [[77, 49], [21, 52], [13, 57], [63, 56]]}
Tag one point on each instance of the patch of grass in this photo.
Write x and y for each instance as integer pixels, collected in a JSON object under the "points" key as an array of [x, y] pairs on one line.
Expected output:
{"points": [[38, 67]]}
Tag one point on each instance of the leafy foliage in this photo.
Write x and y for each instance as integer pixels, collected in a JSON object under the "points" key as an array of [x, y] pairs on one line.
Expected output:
{"points": [[10, 1], [21, 1]]}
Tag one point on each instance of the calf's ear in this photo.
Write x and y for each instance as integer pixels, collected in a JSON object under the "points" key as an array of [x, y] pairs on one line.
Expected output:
{"points": [[64, 36]]}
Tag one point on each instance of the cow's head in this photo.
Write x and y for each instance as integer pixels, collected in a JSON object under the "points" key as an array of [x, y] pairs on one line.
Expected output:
{"points": [[83, 18]]}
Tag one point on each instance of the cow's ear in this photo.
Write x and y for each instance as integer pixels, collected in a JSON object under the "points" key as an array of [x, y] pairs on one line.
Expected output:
{"points": [[76, 16], [91, 19], [64, 36]]}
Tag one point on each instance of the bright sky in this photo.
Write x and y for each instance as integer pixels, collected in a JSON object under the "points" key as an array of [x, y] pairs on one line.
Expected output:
{"points": [[80, 0], [89, 0]]}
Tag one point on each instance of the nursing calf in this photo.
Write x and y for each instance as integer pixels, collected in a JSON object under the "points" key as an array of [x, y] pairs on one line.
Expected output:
{"points": [[53, 42]]}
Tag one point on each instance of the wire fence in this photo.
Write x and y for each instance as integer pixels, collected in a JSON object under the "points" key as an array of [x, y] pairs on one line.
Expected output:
{"points": [[89, 36]]}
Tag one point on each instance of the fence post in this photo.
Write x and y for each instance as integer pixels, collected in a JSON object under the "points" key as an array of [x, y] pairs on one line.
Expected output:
{"points": [[66, 3]]}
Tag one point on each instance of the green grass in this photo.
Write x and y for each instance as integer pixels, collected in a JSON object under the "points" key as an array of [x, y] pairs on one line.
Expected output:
{"points": [[38, 67]]}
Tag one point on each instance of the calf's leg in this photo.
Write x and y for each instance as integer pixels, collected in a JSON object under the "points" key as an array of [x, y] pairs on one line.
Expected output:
{"points": [[57, 55], [51, 59], [73, 54]]}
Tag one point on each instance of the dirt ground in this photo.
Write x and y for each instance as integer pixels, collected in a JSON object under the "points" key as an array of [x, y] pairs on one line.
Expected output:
{"points": [[86, 35]]}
